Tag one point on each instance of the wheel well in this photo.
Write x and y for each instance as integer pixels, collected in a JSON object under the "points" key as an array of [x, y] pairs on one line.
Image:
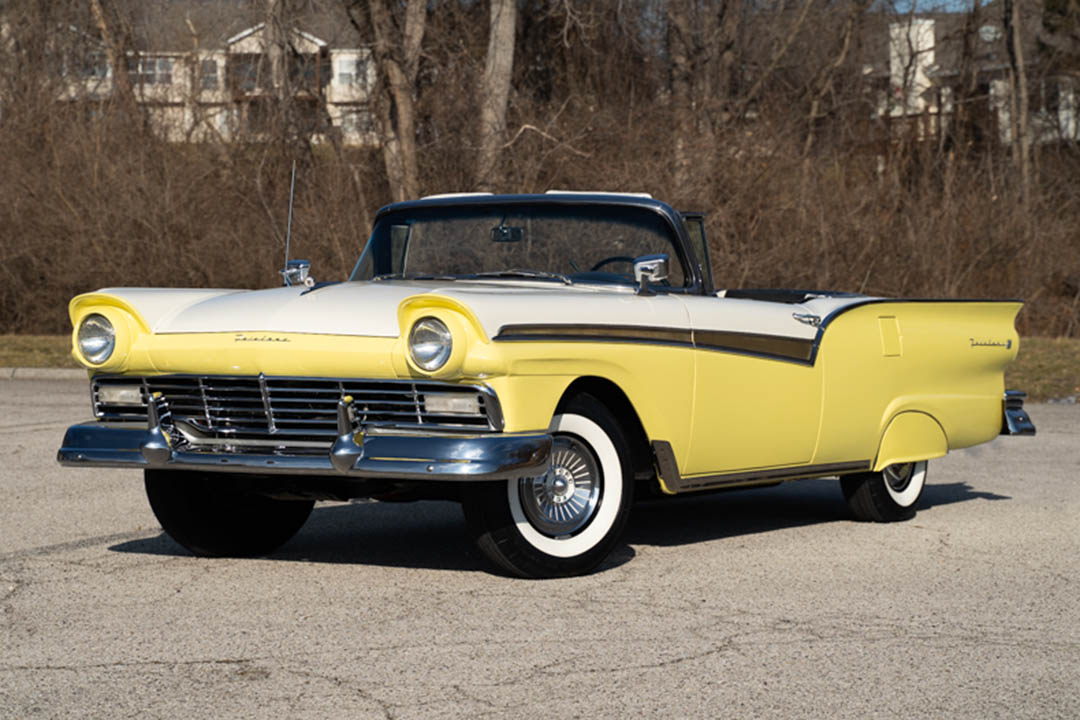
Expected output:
{"points": [[615, 399], [911, 436]]}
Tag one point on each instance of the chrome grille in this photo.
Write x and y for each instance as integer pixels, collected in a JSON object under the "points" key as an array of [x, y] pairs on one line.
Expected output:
{"points": [[292, 410]]}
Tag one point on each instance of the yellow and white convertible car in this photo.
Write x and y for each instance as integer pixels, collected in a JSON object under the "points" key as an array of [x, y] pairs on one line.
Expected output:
{"points": [[541, 358]]}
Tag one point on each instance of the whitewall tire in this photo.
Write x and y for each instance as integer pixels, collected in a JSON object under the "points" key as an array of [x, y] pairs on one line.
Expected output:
{"points": [[566, 521], [887, 496]]}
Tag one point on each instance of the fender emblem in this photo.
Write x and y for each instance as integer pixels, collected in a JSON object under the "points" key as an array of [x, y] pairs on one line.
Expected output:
{"points": [[1007, 344], [241, 337]]}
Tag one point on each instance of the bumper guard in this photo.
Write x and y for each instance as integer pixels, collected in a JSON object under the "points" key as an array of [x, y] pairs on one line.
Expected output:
{"points": [[1015, 420]]}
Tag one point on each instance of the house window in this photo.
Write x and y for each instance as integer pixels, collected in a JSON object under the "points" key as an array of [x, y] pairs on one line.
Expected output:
{"points": [[357, 122], [208, 77], [1046, 95], [150, 71], [352, 71], [94, 65], [244, 72]]}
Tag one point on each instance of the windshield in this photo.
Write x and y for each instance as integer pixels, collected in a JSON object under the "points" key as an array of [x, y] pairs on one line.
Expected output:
{"points": [[594, 244]]}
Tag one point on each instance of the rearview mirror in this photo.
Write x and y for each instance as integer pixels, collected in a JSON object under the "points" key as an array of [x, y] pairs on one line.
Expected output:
{"points": [[507, 233]]}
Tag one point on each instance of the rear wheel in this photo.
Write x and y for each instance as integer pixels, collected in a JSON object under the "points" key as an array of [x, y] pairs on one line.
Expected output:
{"points": [[215, 515], [566, 521], [887, 496]]}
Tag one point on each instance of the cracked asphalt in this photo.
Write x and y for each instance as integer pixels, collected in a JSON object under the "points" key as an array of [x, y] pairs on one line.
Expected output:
{"points": [[758, 603]]}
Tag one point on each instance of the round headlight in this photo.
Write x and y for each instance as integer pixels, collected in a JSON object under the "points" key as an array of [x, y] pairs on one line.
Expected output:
{"points": [[97, 338], [430, 344]]}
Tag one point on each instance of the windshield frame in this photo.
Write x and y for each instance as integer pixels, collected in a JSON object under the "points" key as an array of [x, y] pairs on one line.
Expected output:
{"points": [[671, 220]]}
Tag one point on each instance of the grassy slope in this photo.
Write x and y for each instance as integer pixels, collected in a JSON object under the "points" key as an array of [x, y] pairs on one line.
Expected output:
{"points": [[36, 351], [1046, 367]]}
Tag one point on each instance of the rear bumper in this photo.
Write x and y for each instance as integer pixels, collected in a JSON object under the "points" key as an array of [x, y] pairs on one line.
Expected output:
{"points": [[1015, 420], [365, 454]]}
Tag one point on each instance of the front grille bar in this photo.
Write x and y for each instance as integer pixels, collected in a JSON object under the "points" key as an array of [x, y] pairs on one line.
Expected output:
{"points": [[266, 404]]}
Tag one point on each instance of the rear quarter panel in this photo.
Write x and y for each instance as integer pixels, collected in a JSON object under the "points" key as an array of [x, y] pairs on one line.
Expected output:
{"points": [[944, 359]]}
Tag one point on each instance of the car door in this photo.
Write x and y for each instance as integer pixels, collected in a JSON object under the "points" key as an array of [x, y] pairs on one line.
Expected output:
{"points": [[757, 397]]}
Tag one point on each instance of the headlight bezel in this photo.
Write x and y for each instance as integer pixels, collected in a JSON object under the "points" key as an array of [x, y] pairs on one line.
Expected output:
{"points": [[431, 351], [105, 338]]}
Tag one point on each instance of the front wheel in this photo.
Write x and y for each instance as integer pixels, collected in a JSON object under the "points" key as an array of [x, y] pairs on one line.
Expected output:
{"points": [[887, 496], [215, 516], [566, 521]]}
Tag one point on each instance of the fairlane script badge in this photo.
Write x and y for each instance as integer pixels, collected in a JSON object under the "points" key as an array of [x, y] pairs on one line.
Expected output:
{"points": [[241, 337], [1007, 344]]}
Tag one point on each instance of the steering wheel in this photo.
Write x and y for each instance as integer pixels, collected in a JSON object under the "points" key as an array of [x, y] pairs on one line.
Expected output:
{"points": [[612, 259]]}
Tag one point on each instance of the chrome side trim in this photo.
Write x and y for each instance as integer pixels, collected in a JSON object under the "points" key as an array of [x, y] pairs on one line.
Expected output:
{"points": [[1015, 420], [775, 347], [444, 457], [597, 333], [669, 472], [771, 346]]}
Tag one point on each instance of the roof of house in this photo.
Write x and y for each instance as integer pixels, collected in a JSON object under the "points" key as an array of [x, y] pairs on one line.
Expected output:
{"points": [[178, 25]]}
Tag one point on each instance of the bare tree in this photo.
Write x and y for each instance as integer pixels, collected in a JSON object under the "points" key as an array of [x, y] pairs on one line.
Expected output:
{"points": [[397, 57], [494, 92], [117, 47], [823, 83], [681, 49], [1021, 134]]}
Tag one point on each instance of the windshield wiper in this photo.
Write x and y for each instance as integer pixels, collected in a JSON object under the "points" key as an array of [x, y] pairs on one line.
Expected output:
{"points": [[542, 274]]}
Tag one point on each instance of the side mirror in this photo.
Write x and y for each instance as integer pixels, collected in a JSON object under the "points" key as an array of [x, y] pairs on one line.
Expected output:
{"points": [[650, 268], [296, 273]]}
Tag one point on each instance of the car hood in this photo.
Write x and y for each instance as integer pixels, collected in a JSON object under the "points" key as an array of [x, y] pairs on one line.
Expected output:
{"points": [[370, 308]]}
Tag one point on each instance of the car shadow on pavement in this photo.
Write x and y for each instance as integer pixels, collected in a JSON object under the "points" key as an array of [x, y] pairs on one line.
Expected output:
{"points": [[711, 516], [949, 493], [428, 535], [432, 535], [696, 518]]}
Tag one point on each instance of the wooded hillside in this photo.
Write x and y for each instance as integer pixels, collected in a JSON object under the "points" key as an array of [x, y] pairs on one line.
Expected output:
{"points": [[778, 119]]}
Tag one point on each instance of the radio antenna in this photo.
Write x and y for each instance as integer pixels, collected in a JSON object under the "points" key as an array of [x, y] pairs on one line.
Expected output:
{"points": [[288, 227], [296, 271]]}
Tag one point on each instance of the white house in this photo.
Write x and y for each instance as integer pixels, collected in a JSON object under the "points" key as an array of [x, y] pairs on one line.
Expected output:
{"points": [[924, 73], [228, 92]]}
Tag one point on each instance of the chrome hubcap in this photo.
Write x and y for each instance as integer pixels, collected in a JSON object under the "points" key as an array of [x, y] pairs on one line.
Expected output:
{"points": [[563, 500], [899, 476]]}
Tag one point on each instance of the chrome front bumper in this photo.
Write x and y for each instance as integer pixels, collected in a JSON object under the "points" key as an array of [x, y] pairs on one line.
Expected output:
{"points": [[364, 453]]}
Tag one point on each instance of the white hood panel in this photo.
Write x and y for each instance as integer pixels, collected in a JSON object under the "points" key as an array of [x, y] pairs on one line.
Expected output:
{"points": [[345, 309], [370, 308]]}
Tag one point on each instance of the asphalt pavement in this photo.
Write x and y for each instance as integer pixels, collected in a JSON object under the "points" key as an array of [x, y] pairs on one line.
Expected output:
{"points": [[762, 603]]}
